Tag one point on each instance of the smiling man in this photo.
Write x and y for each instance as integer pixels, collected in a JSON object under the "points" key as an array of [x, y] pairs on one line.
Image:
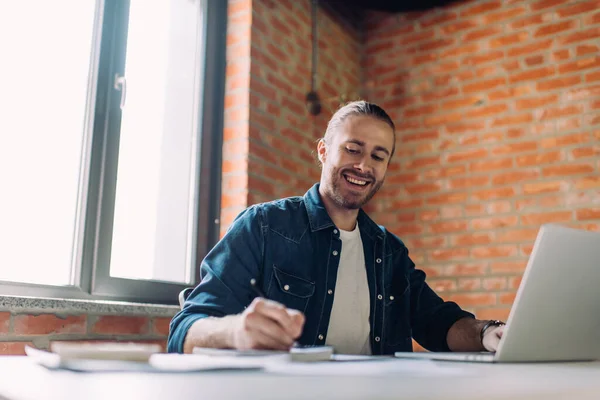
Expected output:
{"points": [[327, 274]]}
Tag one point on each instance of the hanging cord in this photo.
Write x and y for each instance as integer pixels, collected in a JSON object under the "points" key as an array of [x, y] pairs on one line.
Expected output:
{"points": [[315, 44]]}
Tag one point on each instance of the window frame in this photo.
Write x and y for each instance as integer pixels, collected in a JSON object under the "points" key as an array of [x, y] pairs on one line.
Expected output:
{"points": [[90, 269]]}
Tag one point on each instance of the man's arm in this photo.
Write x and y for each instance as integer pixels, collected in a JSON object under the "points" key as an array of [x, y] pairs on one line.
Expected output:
{"points": [[465, 335], [264, 324]]}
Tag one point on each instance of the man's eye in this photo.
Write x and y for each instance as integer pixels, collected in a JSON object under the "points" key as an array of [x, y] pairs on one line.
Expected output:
{"points": [[377, 158], [351, 151]]}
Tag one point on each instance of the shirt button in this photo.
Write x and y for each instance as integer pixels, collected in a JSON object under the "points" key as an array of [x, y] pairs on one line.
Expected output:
{"points": [[335, 231], [330, 291], [391, 297], [335, 253], [377, 338], [286, 287], [378, 261], [379, 296], [320, 337]]}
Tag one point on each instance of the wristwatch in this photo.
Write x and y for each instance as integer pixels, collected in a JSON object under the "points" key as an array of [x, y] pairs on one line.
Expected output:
{"points": [[488, 325]]}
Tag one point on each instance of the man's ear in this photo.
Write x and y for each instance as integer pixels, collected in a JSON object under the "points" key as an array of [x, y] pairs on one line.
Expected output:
{"points": [[322, 151]]}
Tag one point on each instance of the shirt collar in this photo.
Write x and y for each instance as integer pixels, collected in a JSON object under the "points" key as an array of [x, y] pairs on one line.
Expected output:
{"points": [[319, 218]]}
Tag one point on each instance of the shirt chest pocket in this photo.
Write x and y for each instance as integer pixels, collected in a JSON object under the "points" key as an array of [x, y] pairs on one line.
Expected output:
{"points": [[290, 290]]}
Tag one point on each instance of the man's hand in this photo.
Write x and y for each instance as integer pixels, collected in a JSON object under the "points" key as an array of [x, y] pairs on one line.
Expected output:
{"points": [[492, 337], [266, 324]]}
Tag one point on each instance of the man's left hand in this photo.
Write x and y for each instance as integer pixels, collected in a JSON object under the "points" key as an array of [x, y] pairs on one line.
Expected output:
{"points": [[492, 337]]}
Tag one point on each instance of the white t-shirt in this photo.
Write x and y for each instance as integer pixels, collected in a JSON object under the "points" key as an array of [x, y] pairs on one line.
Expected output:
{"points": [[349, 327]]}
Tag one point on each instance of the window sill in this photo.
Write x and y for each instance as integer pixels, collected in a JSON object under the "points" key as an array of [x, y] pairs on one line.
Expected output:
{"points": [[69, 306]]}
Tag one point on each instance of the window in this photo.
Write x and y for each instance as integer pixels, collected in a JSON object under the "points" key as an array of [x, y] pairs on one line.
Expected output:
{"points": [[109, 146]]}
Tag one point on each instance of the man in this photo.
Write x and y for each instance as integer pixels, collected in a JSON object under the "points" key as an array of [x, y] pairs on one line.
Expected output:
{"points": [[330, 275]]}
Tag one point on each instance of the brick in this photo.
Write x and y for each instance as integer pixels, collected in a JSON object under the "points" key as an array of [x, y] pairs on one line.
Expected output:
{"points": [[471, 269], [508, 40], [578, 8], [509, 93], [508, 178], [418, 111], [558, 83], [555, 28], [535, 102], [514, 282], [120, 325], [579, 65], [588, 182], [45, 324], [580, 36], [481, 8], [513, 120], [4, 322], [516, 235], [448, 227], [565, 140], [508, 267], [448, 254], [466, 155], [484, 85], [494, 251], [584, 152], [493, 284], [486, 111], [587, 214], [460, 25], [465, 127], [494, 164], [530, 48], [13, 348], [443, 285], [418, 163], [442, 17], [473, 299], [468, 182], [420, 136], [534, 60], [417, 37], [491, 223], [530, 20], [542, 187], [561, 55], [569, 169], [409, 229], [160, 326], [515, 148], [503, 15], [472, 239], [530, 160], [585, 49], [494, 313], [442, 119], [506, 298], [592, 19], [469, 284], [427, 242], [461, 102], [544, 218], [490, 194], [481, 33], [466, 48], [452, 212], [543, 4], [439, 94], [499, 207], [532, 74], [422, 188], [436, 44], [447, 198], [445, 172]]}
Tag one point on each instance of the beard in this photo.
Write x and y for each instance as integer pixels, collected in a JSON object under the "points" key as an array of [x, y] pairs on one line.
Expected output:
{"points": [[347, 198]]}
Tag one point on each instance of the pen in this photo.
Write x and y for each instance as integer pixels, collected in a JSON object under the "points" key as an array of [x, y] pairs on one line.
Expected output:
{"points": [[257, 289]]}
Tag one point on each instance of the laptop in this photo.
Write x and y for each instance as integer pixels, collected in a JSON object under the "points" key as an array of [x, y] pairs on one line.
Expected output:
{"points": [[556, 312]]}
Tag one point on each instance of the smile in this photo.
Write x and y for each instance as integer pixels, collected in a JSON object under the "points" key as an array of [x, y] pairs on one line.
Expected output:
{"points": [[356, 181]]}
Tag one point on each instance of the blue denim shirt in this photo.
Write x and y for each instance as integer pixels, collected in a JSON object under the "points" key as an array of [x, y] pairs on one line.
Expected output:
{"points": [[293, 249]]}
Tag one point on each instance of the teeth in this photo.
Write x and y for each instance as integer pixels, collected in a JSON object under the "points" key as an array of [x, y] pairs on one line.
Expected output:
{"points": [[356, 181]]}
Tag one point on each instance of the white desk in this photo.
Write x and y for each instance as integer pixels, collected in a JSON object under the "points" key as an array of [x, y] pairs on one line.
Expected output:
{"points": [[20, 379]]}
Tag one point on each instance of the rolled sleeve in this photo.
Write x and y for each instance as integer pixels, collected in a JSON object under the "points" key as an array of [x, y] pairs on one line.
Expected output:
{"points": [[225, 275]]}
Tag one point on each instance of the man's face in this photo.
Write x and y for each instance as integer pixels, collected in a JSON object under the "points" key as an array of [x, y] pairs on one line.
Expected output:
{"points": [[355, 160]]}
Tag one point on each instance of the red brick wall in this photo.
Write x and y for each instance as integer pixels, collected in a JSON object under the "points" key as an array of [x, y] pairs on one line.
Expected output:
{"points": [[270, 139], [498, 112], [19, 329]]}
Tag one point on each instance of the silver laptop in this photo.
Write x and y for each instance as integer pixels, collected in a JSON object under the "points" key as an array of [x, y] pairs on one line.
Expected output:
{"points": [[556, 313]]}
